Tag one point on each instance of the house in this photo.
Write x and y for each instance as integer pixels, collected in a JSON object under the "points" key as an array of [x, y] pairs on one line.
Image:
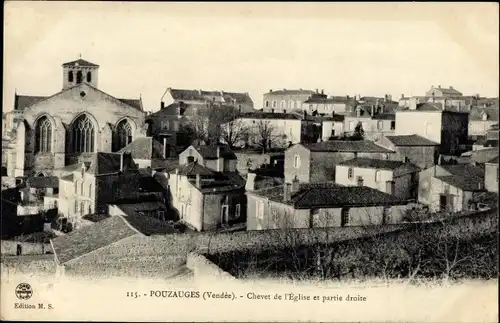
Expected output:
{"points": [[279, 129], [442, 92], [491, 175], [249, 159], [34, 192], [120, 245], [91, 187], [416, 149], [218, 158], [241, 101], [327, 105], [315, 162], [393, 177], [481, 119], [451, 188], [332, 126], [148, 152], [289, 100], [374, 118], [431, 121], [207, 199], [320, 205]]}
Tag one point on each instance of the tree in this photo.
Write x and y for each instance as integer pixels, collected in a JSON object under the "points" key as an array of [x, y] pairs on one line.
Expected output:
{"points": [[265, 135], [359, 132], [234, 129]]}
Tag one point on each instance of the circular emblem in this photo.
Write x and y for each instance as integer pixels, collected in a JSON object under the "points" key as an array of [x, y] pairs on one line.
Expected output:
{"points": [[24, 291]]}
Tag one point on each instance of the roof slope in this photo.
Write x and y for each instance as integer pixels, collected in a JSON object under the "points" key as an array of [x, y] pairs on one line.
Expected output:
{"points": [[80, 62], [43, 182], [411, 140], [493, 161], [270, 115], [144, 148], [346, 146], [23, 101], [210, 151], [291, 92], [90, 238], [203, 95], [192, 169], [463, 176]]}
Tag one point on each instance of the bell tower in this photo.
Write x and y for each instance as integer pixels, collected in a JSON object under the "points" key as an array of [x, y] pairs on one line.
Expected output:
{"points": [[80, 71]]}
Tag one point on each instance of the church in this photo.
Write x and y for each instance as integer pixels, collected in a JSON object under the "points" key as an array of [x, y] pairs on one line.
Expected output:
{"points": [[70, 126]]}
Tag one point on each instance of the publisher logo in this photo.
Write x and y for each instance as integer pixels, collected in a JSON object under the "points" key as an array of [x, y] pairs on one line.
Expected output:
{"points": [[24, 291]]}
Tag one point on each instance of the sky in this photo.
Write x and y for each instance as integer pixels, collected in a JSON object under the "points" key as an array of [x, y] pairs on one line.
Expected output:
{"points": [[345, 49]]}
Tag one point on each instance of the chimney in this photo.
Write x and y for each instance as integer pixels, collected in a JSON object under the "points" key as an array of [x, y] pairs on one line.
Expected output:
{"points": [[317, 91], [199, 92], [347, 97], [198, 180], [162, 105], [451, 87], [250, 183], [271, 91], [373, 110], [304, 117], [286, 192], [284, 110], [439, 86], [221, 92], [220, 161], [322, 91], [389, 187], [402, 96], [333, 113]]}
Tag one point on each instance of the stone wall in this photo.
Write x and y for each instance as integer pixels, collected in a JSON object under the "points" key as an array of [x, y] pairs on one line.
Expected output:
{"points": [[204, 268], [10, 248]]}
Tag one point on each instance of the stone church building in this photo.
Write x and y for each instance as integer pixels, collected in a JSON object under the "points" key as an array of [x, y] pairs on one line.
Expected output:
{"points": [[73, 124]]}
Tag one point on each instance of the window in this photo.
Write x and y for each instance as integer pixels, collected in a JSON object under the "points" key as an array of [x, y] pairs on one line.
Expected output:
{"points": [[428, 128], [267, 104], [296, 161], [380, 125], [377, 175], [122, 135], [224, 214], [89, 77], [175, 125], [237, 211], [260, 211], [350, 173], [43, 135], [70, 76], [161, 215], [79, 77], [83, 135], [386, 215], [360, 181], [283, 105], [393, 125], [81, 188], [344, 217], [90, 190], [274, 104]]}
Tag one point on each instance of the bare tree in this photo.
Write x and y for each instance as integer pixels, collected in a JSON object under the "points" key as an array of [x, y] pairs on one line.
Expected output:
{"points": [[234, 130], [265, 135]]}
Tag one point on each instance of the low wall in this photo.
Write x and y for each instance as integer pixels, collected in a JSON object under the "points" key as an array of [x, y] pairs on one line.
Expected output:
{"points": [[9, 247], [204, 268]]}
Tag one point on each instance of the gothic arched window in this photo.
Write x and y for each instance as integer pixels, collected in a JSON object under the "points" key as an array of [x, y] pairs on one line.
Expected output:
{"points": [[83, 135], [79, 77], [43, 135], [123, 134], [70, 76], [89, 77]]}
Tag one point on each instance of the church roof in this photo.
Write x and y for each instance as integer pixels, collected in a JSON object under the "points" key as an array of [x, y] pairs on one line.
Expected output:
{"points": [[80, 62], [144, 148], [21, 102]]}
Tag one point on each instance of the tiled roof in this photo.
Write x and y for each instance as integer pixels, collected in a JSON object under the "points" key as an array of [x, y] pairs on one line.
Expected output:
{"points": [[476, 113], [193, 169], [90, 238], [150, 184], [463, 176], [23, 101], [135, 103], [428, 106], [328, 100], [334, 118], [270, 115], [493, 161], [448, 91], [165, 164], [210, 151], [411, 140], [146, 224], [96, 217], [144, 148], [384, 116], [43, 182], [80, 62], [330, 195], [223, 182], [292, 92], [346, 146], [109, 163], [378, 164], [73, 167], [202, 95]]}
